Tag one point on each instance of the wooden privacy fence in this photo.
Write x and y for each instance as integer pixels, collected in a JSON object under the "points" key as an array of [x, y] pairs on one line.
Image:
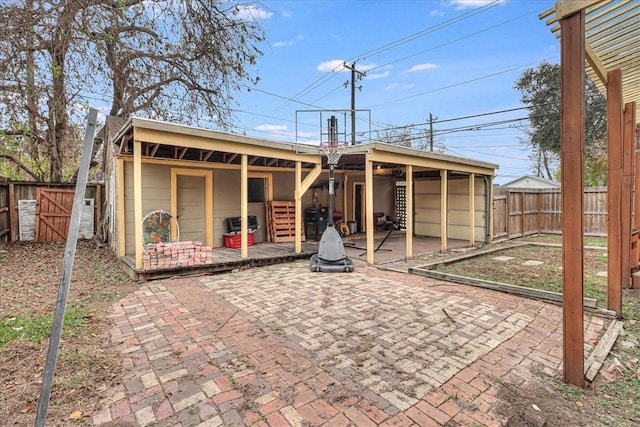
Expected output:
{"points": [[521, 212], [4, 210], [53, 204]]}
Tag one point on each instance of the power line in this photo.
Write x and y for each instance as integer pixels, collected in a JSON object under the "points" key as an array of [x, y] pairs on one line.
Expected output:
{"points": [[460, 83], [394, 44], [456, 40]]}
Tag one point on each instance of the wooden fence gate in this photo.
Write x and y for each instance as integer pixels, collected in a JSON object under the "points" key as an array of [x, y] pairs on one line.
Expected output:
{"points": [[53, 214]]}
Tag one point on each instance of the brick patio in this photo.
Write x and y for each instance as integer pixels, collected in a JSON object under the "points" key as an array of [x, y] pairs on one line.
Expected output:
{"points": [[281, 346]]}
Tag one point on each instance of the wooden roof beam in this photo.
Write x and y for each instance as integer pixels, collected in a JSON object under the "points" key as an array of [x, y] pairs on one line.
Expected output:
{"points": [[205, 154], [180, 152], [231, 159], [253, 160], [595, 63], [566, 8]]}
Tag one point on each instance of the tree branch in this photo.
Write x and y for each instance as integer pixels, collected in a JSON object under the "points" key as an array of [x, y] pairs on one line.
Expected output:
{"points": [[21, 166]]}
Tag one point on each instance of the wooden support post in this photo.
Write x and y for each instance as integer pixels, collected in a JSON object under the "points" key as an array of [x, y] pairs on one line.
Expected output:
{"points": [[572, 118], [472, 209], [369, 220], [443, 209], [345, 183], [137, 201], [627, 192], [614, 191], [13, 224], [244, 209], [408, 197], [298, 199], [636, 176], [489, 211]]}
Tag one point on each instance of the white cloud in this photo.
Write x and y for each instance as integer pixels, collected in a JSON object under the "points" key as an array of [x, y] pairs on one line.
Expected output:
{"points": [[381, 75], [336, 65], [287, 14], [397, 87], [422, 67], [252, 13], [436, 13], [468, 4], [272, 128], [287, 43], [332, 65]]}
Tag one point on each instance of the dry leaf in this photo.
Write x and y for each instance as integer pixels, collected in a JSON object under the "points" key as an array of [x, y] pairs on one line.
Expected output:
{"points": [[75, 415]]}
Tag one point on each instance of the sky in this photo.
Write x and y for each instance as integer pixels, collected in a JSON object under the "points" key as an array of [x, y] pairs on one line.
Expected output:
{"points": [[452, 59]]}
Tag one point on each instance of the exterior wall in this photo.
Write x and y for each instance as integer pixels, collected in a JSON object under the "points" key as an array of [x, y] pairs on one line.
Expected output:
{"points": [[384, 188], [427, 202], [458, 209], [156, 190], [226, 198]]}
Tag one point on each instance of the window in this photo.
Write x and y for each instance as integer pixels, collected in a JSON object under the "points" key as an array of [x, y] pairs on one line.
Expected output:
{"points": [[257, 190]]}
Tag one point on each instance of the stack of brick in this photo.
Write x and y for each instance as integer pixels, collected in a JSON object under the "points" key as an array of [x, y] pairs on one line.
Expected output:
{"points": [[167, 256]]}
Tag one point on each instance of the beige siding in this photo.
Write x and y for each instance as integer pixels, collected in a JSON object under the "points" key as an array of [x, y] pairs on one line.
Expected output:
{"points": [[156, 194], [384, 189], [427, 207], [284, 186]]}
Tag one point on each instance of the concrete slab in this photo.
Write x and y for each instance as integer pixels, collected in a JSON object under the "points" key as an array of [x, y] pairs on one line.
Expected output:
{"points": [[502, 258], [532, 263]]}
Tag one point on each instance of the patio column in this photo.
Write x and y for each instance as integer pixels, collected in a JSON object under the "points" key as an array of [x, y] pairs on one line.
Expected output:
{"points": [[244, 201], [298, 199], [409, 212], [628, 142], [345, 183], [137, 200], [489, 210], [472, 209], [572, 78], [443, 209], [614, 191], [369, 220]]}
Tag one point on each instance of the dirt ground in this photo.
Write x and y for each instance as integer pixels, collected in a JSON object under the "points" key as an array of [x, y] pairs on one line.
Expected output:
{"points": [[88, 365]]}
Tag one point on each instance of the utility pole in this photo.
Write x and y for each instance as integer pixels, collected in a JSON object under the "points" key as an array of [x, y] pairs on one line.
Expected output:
{"points": [[355, 74]]}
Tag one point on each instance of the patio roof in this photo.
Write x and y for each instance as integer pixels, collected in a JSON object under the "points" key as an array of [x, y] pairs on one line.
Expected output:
{"points": [[193, 144], [612, 40]]}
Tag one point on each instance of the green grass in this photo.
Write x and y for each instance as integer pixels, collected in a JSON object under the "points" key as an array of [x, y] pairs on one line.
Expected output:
{"points": [[547, 276], [557, 238], [38, 327]]}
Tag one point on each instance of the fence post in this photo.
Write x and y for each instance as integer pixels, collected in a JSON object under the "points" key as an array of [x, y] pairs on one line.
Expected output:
{"points": [[12, 212]]}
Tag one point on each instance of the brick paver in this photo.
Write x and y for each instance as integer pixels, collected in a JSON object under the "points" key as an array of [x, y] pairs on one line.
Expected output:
{"points": [[279, 345]]}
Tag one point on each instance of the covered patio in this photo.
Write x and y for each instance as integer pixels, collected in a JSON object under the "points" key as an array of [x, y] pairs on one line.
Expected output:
{"points": [[201, 178]]}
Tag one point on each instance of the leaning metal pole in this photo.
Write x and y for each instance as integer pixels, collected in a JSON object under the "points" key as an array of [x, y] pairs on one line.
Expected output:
{"points": [[67, 268]]}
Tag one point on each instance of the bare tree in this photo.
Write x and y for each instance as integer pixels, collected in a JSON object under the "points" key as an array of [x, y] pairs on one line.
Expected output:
{"points": [[149, 57]]}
